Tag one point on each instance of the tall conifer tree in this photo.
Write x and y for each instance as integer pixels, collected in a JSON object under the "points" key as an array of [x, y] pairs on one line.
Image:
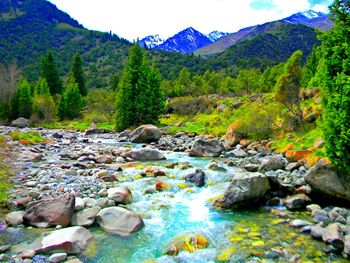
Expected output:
{"points": [[78, 73], [50, 73]]}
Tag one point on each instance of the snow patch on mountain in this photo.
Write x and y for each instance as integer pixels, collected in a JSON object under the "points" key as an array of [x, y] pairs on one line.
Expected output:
{"points": [[151, 41], [216, 35]]}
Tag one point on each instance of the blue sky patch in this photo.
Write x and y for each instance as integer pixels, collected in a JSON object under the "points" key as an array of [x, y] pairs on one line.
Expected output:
{"points": [[262, 4]]}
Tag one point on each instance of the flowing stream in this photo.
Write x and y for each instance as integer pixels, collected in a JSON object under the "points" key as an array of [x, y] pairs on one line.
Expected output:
{"points": [[234, 236]]}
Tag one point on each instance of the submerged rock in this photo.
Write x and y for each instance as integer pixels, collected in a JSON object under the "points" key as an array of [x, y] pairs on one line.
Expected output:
{"points": [[189, 243], [50, 212], [145, 134], [198, 178], [207, 148], [244, 190], [117, 220]]}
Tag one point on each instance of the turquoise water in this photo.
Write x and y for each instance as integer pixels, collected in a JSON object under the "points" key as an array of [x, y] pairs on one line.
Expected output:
{"points": [[234, 236]]}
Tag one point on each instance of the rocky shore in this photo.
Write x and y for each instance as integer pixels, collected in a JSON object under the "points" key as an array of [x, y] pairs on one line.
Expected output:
{"points": [[75, 182]]}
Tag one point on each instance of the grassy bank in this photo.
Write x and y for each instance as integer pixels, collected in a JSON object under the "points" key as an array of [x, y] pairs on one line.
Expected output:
{"points": [[5, 181]]}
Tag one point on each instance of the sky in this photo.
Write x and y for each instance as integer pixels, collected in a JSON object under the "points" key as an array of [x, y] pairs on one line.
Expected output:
{"points": [[132, 19]]}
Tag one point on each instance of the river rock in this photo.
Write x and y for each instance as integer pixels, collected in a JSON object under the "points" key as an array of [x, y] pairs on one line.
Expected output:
{"points": [[207, 148], [14, 218], [57, 257], [347, 245], [20, 123], [298, 201], [198, 178], [333, 235], [317, 231], [94, 130], [86, 217], [121, 195], [50, 212], [70, 240], [117, 220], [238, 153], [244, 190], [147, 154], [79, 204], [273, 163], [299, 223], [145, 134], [188, 243], [324, 179]]}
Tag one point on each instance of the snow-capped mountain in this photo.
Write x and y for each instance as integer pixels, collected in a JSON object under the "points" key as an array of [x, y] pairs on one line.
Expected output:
{"points": [[311, 18], [151, 41], [216, 35], [185, 41]]}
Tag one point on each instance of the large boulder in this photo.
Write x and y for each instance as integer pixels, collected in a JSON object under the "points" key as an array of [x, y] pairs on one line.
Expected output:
{"points": [[71, 240], [50, 212], [14, 218], [198, 178], [86, 217], [324, 179], [244, 190], [20, 123], [207, 148], [145, 134], [147, 154], [272, 163], [94, 130], [120, 195], [117, 220]]}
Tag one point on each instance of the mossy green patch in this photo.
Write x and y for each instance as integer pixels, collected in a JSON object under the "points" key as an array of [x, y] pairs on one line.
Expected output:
{"points": [[31, 137]]}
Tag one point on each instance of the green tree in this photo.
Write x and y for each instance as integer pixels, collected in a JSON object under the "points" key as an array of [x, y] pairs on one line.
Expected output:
{"points": [[78, 73], [138, 96], [71, 102], [310, 67], [44, 108], [25, 99], [50, 73], [247, 80], [182, 83], [336, 86], [288, 88]]}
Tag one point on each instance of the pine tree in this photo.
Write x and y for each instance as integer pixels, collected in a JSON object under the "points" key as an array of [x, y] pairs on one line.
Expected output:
{"points": [[138, 95], [78, 73], [336, 86], [288, 88], [42, 88], [25, 99], [71, 102], [50, 73], [156, 94]]}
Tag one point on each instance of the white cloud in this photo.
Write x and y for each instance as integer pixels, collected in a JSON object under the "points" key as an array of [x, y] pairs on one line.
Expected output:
{"points": [[138, 18]]}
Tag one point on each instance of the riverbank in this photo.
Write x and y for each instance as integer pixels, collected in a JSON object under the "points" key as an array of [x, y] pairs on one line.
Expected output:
{"points": [[160, 186]]}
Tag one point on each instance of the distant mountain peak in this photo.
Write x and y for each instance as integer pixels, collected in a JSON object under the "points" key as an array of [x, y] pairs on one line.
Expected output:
{"points": [[311, 14], [216, 35], [151, 41]]}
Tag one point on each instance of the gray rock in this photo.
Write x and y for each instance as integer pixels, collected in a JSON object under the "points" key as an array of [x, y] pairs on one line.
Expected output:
{"points": [[20, 123], [300, 223], [207, 148], [324, 179], [292, 166], [89, 202], [145, 134], [85, 217], [334, 236], [298, 201], [57, 257], [317, 231], [238, 153], [244, 190], [251, 167], [14, 218], [4, 248], [79, 204], [117, 220], [198, 178], [102, 202], [273, 163], [147, 154], [313, 207], [215, 167], [347, 245]]}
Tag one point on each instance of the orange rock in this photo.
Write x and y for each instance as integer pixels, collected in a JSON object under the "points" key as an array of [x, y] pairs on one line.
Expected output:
{"points": [[288, 147], [244, 142], [297, 155], [149, 171], [233, 137], [160, 186]]}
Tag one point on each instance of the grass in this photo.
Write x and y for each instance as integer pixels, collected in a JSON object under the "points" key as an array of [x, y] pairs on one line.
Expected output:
{"points": [[31, 137], [4, 175], [76, 125]]}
